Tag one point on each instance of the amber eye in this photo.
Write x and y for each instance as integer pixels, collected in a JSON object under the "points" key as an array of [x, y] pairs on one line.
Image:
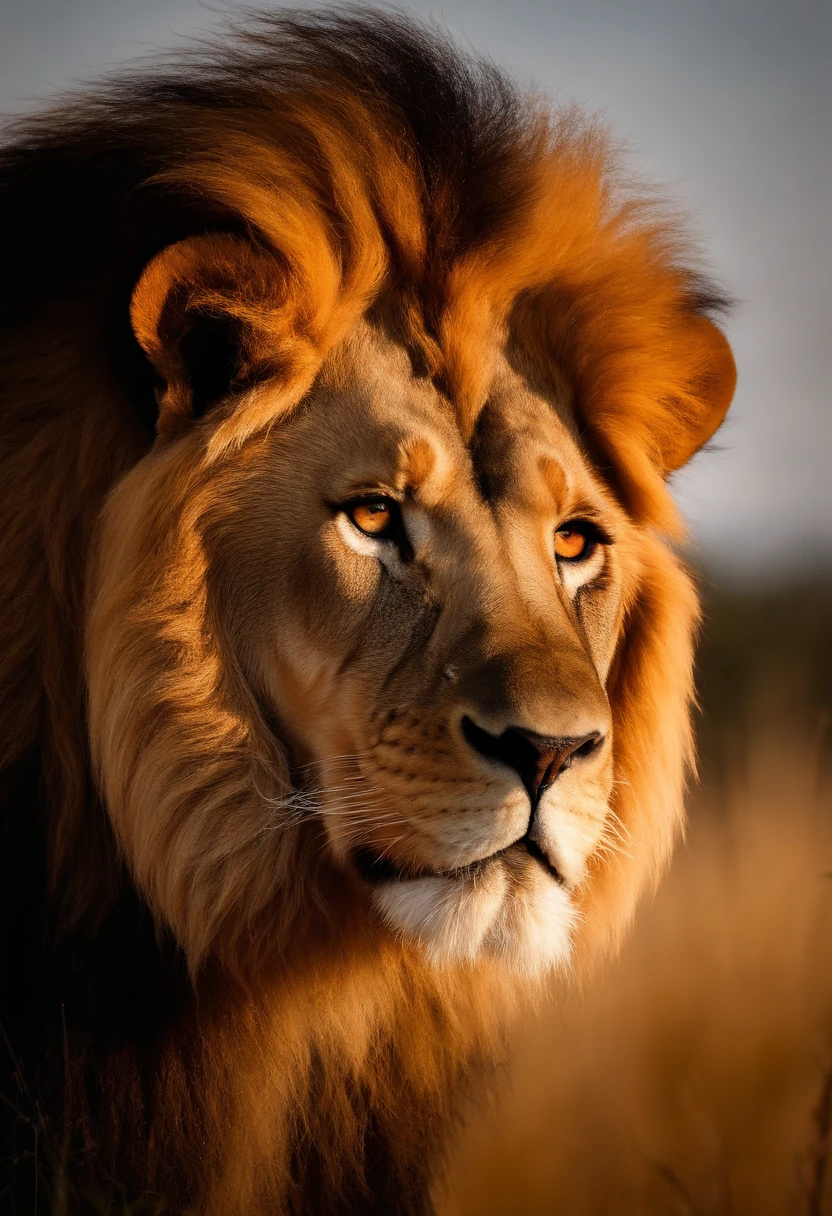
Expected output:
{"points": [[375, 517], [574, 541]]}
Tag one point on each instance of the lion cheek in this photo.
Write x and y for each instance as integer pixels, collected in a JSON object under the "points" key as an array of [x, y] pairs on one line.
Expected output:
{"points": [[573, 819], [570, 836]]}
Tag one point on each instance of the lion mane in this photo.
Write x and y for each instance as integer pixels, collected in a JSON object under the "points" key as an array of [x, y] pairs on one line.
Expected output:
{"points": [[187, 1018]]}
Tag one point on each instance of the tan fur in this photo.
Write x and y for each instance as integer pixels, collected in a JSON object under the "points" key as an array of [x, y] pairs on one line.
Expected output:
{"points": [[233, 691]]}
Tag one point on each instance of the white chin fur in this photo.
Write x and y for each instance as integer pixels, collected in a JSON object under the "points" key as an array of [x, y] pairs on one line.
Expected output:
{"points": [[449, 917], [533, 932], [528, 927]]}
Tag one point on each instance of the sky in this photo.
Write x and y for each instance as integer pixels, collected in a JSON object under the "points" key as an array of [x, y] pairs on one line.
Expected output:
{"points": [[727, 102]]}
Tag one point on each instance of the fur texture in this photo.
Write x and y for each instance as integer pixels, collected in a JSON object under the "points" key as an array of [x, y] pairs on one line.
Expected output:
{"points": [[266, 904]]}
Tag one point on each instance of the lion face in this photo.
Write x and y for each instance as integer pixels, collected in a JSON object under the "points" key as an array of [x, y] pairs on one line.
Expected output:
{"points": [[356, 641], [431, 623]]}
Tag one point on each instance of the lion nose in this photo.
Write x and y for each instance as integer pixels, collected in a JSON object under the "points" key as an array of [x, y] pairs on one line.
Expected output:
{"points": [[538, 759]]}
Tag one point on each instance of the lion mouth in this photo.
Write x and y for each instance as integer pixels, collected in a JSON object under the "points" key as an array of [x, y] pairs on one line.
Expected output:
{"points": [[375, 867]]}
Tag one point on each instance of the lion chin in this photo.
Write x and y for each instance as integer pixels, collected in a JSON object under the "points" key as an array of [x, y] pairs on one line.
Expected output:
{"points": [[512, 911], [345, 645]]}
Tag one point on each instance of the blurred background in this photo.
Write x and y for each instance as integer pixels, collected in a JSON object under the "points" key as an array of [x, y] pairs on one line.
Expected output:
{"points": [[695, 1076]]}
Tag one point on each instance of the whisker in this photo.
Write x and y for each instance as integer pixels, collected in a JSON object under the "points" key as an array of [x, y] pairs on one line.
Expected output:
{"points": [[345, 757]]}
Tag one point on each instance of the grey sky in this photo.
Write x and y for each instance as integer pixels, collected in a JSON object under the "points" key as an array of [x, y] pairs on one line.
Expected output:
{"points": [[730, 103]]}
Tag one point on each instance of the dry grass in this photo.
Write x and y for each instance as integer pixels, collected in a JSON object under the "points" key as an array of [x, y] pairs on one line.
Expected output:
{"points": [[696, 1077]]}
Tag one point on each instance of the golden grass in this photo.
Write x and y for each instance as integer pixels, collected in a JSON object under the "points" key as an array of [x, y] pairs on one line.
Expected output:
{"points": [[696, 1076]]}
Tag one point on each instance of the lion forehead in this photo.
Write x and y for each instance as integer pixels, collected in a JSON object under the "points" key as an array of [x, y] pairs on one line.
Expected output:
{"points": [[372, 413]]}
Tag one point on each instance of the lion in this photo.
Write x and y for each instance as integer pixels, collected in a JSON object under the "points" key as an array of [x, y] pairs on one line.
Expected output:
{"points": [[346, 647]]}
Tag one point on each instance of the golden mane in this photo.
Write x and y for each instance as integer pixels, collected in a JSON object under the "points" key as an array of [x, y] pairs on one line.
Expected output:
{"points": [[366, 164]]}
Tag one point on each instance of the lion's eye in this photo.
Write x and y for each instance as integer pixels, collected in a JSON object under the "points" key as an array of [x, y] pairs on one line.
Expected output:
{"points": [[576, 540], [374, 517]]}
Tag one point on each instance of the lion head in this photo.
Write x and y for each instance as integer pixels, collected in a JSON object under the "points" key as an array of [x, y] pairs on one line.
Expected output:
{"points": [[373, 641], [385, 615], [383, 618]]}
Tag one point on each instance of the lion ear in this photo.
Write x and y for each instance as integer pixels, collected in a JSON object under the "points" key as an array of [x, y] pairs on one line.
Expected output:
{"points": [[207, 312], [710, 378]]}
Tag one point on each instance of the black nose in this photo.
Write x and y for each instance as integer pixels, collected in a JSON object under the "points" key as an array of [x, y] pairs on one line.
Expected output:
{"points": [[539, 759]]}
